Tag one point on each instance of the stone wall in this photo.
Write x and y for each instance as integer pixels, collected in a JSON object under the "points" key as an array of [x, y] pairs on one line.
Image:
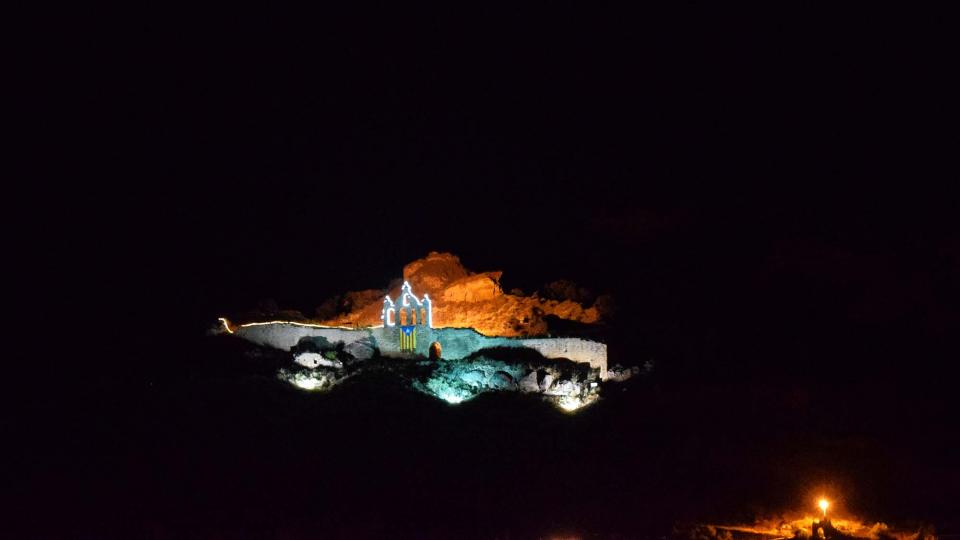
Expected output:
{"points": [[576, 349], [456, 343], [285, 335]]}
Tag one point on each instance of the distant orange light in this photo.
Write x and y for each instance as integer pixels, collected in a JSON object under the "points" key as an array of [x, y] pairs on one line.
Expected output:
{"points": [[823, 504]]}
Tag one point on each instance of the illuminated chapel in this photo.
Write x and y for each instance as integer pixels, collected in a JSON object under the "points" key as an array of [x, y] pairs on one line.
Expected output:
{"points": [[406, 314]]}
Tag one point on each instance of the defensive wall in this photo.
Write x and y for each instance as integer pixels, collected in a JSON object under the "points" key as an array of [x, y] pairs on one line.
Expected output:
{"points": [[456, 343]]}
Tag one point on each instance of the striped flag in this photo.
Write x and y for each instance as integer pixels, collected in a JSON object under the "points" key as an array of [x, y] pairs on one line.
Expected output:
{"points": [[408, 338]]}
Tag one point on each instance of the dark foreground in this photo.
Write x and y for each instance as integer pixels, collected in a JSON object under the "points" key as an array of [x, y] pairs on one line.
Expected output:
{"points": [[225, 450]]}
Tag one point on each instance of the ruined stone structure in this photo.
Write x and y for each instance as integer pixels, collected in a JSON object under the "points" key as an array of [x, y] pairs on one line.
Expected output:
{"points": [[461, 298], [411, 312], [407, 331], [455, 343]]}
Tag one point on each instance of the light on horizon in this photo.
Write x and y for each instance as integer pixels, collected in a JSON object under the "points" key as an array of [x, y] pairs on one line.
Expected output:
{"points": [[823, 504]]}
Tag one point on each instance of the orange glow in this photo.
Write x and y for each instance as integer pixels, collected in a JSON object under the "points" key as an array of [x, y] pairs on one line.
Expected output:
{"points": [[823, 504], [308, 325], [226, 324], [787, 526]]}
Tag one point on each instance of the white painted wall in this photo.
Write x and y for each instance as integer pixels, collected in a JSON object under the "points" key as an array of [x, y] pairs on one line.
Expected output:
{"points": [[456, 342], [285, 335]]}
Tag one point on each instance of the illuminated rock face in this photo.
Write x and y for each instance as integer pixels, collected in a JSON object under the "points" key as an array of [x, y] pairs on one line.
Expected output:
{"points": [[457, 381], [434, 272], [466, 299], [312, 360], [477, 288], [472, 314], [474, 320]]}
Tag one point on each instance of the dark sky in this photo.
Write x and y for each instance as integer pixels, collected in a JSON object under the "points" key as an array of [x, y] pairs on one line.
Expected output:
{"points": [[767, 193], [714, 169]]}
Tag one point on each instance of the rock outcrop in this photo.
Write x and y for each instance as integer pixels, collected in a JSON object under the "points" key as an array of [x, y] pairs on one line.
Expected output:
{"points": [[570, 385], [363, 349], [312, 360], [465, 299]]}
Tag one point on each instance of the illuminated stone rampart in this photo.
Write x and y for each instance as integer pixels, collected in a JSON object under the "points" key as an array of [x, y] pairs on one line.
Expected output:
{"points": [[456, 343], [285, 335]]}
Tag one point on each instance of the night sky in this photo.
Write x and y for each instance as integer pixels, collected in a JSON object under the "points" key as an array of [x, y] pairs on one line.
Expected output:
{"points": [[763, 192]]}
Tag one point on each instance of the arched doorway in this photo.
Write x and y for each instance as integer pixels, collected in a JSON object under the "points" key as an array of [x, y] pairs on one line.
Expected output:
{"points": [[435, 350]]}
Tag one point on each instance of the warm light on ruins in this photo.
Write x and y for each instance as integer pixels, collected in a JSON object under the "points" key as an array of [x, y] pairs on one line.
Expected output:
{"points": [[453, 364], [460, 298], [575, 403], [305, 381], [791, 525], [226, 325], [570, 404]]}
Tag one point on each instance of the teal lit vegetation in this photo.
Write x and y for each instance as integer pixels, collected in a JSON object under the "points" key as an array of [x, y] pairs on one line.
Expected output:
{"points": [[568, 385]]}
